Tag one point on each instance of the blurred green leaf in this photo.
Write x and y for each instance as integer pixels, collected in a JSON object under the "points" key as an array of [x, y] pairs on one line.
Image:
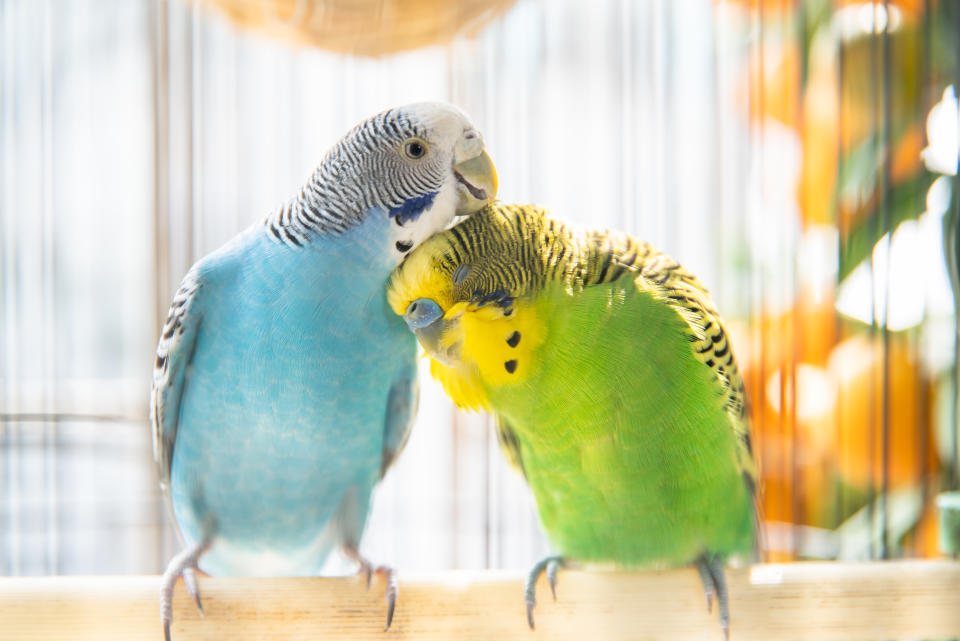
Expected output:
{"points": [[859, 177], [859, 536]]}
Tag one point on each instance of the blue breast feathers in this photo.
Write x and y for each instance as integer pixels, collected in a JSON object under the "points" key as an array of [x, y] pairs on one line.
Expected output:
{"points": [[411, 208]]}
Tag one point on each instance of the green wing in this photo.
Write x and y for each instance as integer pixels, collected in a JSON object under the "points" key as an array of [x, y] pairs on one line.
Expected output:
{"points": [[618, 256], [509, 443]]}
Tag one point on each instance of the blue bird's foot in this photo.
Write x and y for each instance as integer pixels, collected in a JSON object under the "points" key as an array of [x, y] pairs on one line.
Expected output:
{"points": [[389, 574], [715, 584], [185, 565], [551, 564]]}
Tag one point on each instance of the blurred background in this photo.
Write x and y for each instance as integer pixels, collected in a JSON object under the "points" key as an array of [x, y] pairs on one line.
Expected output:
{"points": [[799, 156]]}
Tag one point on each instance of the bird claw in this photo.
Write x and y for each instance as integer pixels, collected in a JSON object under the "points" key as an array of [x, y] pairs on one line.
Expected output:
{"points": [[389, 574], [183, 564], [391, 596], [715, 585], [551, 565], [189, 575], [530, 605], [367, 571], [707, 579]]}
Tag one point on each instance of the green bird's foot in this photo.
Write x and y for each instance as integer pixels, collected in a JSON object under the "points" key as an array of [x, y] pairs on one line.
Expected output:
{"points": [[550, 564], [368, 569], [185, 565], [715, 585]]}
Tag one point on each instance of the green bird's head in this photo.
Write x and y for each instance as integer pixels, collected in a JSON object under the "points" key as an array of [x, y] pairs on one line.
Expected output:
{"points": [[467, 293]]}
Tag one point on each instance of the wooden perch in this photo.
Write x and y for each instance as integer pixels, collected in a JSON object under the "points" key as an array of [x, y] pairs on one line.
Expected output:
{"points": [[815, 601]]}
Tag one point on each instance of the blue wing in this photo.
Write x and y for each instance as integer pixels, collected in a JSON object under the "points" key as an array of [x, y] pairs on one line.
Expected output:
{"points": [[401, 411], [174, 354]]}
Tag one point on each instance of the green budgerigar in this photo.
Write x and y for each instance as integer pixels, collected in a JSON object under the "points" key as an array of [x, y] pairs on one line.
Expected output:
{"points": [[612, 381]]}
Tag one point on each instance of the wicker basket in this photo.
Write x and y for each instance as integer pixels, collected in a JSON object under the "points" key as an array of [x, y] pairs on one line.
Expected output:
{"points": [[363, 27]]}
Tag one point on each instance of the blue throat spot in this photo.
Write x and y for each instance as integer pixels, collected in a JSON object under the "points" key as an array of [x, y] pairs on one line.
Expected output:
{"points": [[411, 208]]}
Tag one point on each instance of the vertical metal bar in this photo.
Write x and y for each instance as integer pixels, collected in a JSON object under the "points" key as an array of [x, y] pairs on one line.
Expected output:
{"points": [[493, 521], [161, 161], [886, 142], [660, 114], [194, 226], [796, 477], [840, 508], [457, 423], [953, 241], [495, 507], [455, 449], [871, 432], [717, 222], [158, 31], [719, 218], [667, 152], [48, 290], [488, 435], [628, 213], [755, 132], [8, 59], [925, 417]]}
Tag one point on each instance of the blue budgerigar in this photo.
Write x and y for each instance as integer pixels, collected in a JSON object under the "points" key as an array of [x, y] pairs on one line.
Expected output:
{"points": [[284, 387]]}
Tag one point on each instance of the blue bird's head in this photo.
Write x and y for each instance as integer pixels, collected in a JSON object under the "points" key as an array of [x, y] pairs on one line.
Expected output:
{"points": [[419, 166]]}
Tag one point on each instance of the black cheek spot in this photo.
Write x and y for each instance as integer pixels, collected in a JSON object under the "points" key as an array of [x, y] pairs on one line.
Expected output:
{"points": [[404, 246], [514, 339], [511, 365]]}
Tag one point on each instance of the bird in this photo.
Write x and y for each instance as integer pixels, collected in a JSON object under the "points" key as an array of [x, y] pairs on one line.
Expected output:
{"points": [[283, 386], [611, 380]]}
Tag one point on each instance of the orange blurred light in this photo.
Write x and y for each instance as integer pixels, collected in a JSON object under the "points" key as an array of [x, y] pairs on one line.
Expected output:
{"points": [[857, 365]]}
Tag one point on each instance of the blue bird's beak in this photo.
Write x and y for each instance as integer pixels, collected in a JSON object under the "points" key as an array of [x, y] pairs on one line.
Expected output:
{"points": [[425, 319]]}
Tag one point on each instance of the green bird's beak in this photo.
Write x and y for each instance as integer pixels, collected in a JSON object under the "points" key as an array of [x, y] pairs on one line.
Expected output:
{"points": [[477, 183], [425, 319]]}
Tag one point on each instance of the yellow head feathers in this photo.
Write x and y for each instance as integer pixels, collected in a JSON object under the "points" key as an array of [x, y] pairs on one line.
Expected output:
{"points": [[472, 313]]}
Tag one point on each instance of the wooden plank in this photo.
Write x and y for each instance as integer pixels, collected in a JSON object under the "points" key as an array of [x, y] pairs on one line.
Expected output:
{"points": [[809, 601]]}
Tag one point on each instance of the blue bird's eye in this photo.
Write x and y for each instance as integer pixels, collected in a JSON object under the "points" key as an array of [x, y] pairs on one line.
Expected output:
{"points": [[415, 148]]}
